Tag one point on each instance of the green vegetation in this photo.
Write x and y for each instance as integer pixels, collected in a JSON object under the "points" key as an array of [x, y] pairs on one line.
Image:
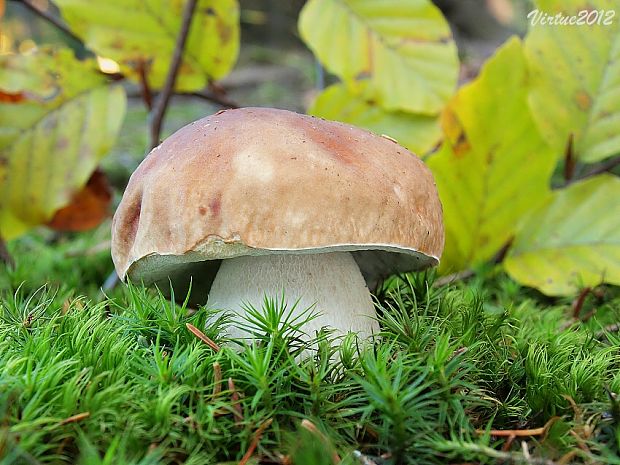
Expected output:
{"points": [[477, 371], [121, 379]]}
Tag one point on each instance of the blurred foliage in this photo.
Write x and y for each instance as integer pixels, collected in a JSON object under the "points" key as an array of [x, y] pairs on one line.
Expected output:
{"points": [[481, 167], [140, 36], [576, 94], [549, 103], [58, 118], [557, 244], [59, 114], [381, 43]]}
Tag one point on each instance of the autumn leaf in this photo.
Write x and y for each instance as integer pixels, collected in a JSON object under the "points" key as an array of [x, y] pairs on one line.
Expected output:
{"points": [[419, 133], [575, 90], [572, 240], [141, 37], [88, 207], [403, 48], [51, 142], [493, 166]]}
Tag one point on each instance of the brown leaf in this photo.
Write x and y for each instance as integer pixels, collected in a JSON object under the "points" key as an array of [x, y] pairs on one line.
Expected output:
{"points": [[2, 8], [88, 208], [8, 97]]}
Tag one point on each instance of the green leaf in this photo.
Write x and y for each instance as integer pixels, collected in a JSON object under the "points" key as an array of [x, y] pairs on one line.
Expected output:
{"points": [[138, 33], [575, 79], [493, 166], [404, 48], [419, 133], [62, 120], [571, 241]]}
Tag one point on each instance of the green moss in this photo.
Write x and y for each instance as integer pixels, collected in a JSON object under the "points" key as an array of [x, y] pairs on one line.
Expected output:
{"points": [[450, 364]]}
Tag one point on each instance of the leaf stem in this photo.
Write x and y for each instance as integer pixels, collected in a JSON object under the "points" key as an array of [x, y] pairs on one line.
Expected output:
{"points": [[50, 18], [159, 109], [603, 167]]}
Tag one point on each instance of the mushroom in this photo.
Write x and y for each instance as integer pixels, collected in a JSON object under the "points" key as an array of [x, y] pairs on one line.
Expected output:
{"points": [[260, 201]]}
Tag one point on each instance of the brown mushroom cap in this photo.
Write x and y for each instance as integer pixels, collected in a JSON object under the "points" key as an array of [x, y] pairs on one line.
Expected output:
{"points": [[258, 181]]}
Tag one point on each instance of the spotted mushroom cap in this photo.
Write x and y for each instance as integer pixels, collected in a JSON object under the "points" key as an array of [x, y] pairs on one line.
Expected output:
{"points": [[256, 181]]}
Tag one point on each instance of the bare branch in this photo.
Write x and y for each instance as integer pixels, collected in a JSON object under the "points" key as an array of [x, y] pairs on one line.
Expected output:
{"points": [[159, 110]]}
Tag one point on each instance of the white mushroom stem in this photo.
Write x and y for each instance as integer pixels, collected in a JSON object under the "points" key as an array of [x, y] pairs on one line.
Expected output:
{"points": [[330, 281]]}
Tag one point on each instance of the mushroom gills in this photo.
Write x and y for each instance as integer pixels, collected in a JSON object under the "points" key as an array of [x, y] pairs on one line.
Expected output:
{"points": [[332, 282]]}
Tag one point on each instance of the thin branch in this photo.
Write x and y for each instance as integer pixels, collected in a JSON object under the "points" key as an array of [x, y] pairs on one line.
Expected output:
{"points": [[200, 335], [145, 89], [603, 167], [577, 304], [215, 98], [466, 274], [50, 18], [159, 110], [255, 440], [74, 418], [236, 402], [5, 256], [451, 278]]}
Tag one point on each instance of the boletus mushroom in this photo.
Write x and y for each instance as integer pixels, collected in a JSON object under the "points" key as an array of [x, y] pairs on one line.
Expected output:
{"points": [[259, 201]]}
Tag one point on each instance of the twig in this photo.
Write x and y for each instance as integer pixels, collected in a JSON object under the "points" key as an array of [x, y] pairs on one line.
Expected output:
{"points": [[214, 98], [466, 274], [95, 249], [577, 304], [450, 278], [74, 418], [363, 459], [159, 109], [234, 396], [145, 89], [110, 282], [200, 335], [520, 432], [56, 22], [217, 379], [308, 425], [613, 328], [5, 256], [255, 440]]}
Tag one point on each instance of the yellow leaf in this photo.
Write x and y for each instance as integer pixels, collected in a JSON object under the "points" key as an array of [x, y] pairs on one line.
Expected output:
{"points": [[52, 140], [141, 34], [403, 48], [575, 90], [419, 133], [494, 165], [572, 241]]}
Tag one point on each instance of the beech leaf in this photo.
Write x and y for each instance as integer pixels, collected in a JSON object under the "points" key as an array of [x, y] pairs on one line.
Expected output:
{"points": [[575, 78], [403, 48], [52, 139], [140, 35], [419, 133], [572, 240], [493, 166]]}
